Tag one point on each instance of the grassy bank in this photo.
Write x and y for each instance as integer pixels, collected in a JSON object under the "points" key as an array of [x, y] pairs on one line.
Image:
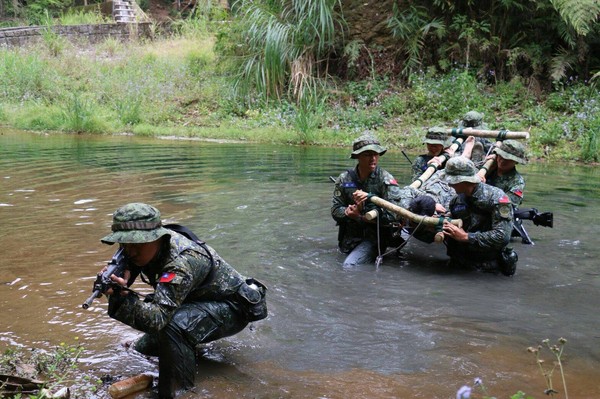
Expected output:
{"points": [[178, 85]]}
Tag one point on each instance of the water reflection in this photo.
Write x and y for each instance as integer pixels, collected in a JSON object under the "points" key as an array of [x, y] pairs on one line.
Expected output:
{"points": [[411, 328]]}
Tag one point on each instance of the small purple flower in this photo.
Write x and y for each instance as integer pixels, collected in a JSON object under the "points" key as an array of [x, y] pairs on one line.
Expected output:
{"points": [[464, 392]]}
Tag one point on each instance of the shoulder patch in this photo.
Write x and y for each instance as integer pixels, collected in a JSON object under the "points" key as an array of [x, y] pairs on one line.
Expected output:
{"points": [[518, 193], [504, 200], [392, 182], [167, 277], [504, 210]]}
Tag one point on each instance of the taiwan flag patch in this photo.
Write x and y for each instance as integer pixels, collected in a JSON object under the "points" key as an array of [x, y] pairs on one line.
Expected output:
{"points": [[166, 277], [518, 193], [504, 200]]}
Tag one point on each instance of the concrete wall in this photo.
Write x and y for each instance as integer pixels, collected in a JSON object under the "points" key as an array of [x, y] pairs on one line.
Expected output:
{"points": [[10, 37]]}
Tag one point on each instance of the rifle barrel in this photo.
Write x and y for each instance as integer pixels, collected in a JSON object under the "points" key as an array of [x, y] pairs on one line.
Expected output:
{"points": [[89, 301]]}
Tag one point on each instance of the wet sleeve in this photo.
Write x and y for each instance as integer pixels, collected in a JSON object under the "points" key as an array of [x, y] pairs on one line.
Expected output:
{"points": [[515, 192], [499, 235], [417, 167], [339, 202], [392, 193], [178, 279]]}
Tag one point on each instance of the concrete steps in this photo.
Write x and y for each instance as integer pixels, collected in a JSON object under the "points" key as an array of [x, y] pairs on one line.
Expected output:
{"points": [[127, 12]]}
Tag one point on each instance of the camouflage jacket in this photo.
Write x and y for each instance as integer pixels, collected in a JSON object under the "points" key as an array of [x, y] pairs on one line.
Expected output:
{"points": [[183, 272], [487, 217], [437, 188], [511, 183], [380, 183], [419, 165]]}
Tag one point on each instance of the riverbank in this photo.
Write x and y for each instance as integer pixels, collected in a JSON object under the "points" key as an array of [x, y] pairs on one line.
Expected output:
{"points": [[178, 85]]}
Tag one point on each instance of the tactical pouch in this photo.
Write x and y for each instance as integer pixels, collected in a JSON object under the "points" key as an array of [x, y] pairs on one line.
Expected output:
{"points": [[252, 294], [508, 261]]}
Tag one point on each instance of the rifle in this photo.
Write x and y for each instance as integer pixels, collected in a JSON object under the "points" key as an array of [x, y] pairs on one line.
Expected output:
{"points": [[103, 281]]}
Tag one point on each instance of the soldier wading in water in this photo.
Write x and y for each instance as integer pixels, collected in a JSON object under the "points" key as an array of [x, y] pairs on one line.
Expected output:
{"points": [[359, 237], [487, 215], [198, 297]]}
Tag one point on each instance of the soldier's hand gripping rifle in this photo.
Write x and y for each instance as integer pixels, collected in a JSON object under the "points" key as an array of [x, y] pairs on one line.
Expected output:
{"points": [[103, 281]]}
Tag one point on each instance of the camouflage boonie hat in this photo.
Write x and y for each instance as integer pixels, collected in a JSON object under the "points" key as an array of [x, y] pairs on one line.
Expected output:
{"points": [[436, 135], [512, 150], [366, 142], [472, 119], [135, 223], [461, 169]]}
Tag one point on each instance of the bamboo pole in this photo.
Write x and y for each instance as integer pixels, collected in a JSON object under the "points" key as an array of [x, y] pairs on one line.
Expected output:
{"points": [[499, 135], [130, 385], [405, 213], [432, 168]]}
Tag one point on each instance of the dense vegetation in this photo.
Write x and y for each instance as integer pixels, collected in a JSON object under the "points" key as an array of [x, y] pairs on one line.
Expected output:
{"points": [[296, 72]]}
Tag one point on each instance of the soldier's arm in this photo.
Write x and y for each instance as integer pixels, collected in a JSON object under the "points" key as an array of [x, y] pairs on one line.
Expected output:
{"points": [[174, 285], [499, 235], [340, 200], [515, 192]]}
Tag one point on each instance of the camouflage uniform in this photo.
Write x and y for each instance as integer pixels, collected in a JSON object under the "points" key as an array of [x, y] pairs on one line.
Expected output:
{"points": [[198, 297], [487, 218], [435, 135], [512, 183], [474, 119], [437, 188], [358, 238]]}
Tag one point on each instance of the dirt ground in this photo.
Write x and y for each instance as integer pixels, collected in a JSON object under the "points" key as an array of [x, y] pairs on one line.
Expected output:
{"points": [[160, 11]]}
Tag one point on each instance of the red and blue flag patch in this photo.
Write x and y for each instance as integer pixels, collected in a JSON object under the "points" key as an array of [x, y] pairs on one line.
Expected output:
{"points": [[166, 277], [504, 200]]}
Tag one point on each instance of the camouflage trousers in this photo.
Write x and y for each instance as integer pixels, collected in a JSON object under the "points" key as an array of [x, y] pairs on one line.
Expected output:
{"points": [[175, 345]]}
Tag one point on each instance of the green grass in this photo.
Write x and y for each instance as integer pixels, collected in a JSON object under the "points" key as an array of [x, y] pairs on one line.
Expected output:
{"points": [[177, 85]]}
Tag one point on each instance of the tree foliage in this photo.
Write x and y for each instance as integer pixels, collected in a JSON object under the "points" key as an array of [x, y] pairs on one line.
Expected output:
{"points": [[287, 44], [578, 14]]}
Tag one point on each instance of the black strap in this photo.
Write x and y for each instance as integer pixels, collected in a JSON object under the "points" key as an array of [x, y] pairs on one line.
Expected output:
{"points": [[186, 232]]}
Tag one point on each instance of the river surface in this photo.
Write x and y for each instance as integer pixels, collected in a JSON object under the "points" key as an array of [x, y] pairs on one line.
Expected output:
{"points": [[410, 328]]}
